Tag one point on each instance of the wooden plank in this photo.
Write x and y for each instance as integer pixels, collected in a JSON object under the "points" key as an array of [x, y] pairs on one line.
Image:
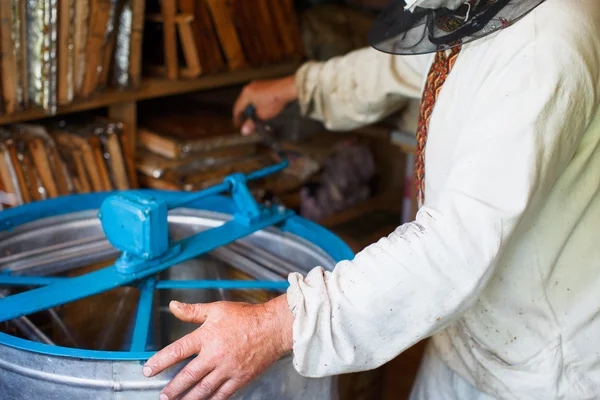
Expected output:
{"points": [[170, 38], [108, 54], [24, 54], [190, 51], [5, 174], [32, 176], [42, 166], [268, 30], [222, 14], [89, 161], [101, 166], [81, 20], [279, 19], [100, 13], [117, 163], [14, 160], [65, 49], [60, 169], [161, 71], [9, 60], [154, 88], [84, 183], [137, 30], [127, 114], [179, 18], [292, 26]]}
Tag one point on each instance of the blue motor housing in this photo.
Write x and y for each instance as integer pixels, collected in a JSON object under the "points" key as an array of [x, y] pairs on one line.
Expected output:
{"points": [[136, 224]]}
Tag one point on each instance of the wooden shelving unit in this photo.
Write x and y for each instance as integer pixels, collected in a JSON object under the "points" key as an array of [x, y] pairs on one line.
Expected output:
{"points": [[157, 87], [122, 105]]}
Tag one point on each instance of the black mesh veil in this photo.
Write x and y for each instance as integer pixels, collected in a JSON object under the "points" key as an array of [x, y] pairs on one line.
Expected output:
{"points": [[427, 30]]}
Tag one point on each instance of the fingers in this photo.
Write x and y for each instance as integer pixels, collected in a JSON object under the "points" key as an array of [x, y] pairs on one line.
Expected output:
{"points": [[206, 387], [248, 128], [195, 313], [226, 390], [240, 106], [172, 354], [196, 371]]}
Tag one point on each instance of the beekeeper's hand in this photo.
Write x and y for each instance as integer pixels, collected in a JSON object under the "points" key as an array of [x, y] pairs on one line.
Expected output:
{"points": [[235, 343], [269, 97]]}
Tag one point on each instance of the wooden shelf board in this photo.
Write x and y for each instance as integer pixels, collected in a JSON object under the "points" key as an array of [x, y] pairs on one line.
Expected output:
{"points": [[158, 87]]}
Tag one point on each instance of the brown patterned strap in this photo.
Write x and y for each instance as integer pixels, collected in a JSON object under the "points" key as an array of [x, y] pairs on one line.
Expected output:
{"points": [[440, 69]]}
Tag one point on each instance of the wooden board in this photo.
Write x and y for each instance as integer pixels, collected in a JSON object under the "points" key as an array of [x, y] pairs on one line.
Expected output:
{"points": [[99, 14], [81, 22], [190, 51], [42, 166], [118, 166], [137, 31], [154, 165], [222, 15], [21, 179], [65, 51], [207, 43], [5, 174], [169, 9], [8, 58]]}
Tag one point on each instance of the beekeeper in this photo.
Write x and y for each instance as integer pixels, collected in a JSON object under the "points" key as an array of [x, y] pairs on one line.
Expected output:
{"points": [[501, 267]]}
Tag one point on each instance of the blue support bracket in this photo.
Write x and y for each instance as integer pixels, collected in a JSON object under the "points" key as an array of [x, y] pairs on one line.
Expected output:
{"points": [[248, 209], [143, 318]]}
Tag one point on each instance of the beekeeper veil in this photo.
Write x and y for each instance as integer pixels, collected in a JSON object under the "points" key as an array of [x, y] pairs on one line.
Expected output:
{"points": [[426, 26]]}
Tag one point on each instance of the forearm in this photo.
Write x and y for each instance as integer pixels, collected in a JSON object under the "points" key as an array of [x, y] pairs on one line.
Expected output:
{"points": [[289, 92], [281, 320]]}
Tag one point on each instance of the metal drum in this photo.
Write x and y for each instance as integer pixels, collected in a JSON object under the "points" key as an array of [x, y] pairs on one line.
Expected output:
{"points": [[51, 251]]}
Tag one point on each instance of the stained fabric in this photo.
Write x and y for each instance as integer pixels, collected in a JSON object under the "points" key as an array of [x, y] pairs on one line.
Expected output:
{"points": [[435, 381], [427, 26], [500, 267], [441, 67]]}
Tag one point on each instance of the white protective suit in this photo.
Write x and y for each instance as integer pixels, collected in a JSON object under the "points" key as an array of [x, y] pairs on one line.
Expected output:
{"points": [[502, 264]]}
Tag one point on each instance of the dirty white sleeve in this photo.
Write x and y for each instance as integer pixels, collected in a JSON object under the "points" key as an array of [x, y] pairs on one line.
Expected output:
{"points": [[520, 135], [360, 87]]}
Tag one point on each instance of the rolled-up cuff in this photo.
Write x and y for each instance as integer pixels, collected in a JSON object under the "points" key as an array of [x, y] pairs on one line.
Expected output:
{"points": [[308, 301], [307, 82]]}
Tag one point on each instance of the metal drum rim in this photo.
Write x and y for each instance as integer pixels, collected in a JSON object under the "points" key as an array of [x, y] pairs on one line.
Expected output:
{"points": [[315, 234]]}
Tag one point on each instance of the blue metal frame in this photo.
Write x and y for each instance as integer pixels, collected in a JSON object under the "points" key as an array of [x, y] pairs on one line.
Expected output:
{"points": [[249, 217], [143, 318], [27, 281]]}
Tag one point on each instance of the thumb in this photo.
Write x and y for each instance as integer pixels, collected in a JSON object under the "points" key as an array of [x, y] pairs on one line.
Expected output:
{"points": [[196, 313]]}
